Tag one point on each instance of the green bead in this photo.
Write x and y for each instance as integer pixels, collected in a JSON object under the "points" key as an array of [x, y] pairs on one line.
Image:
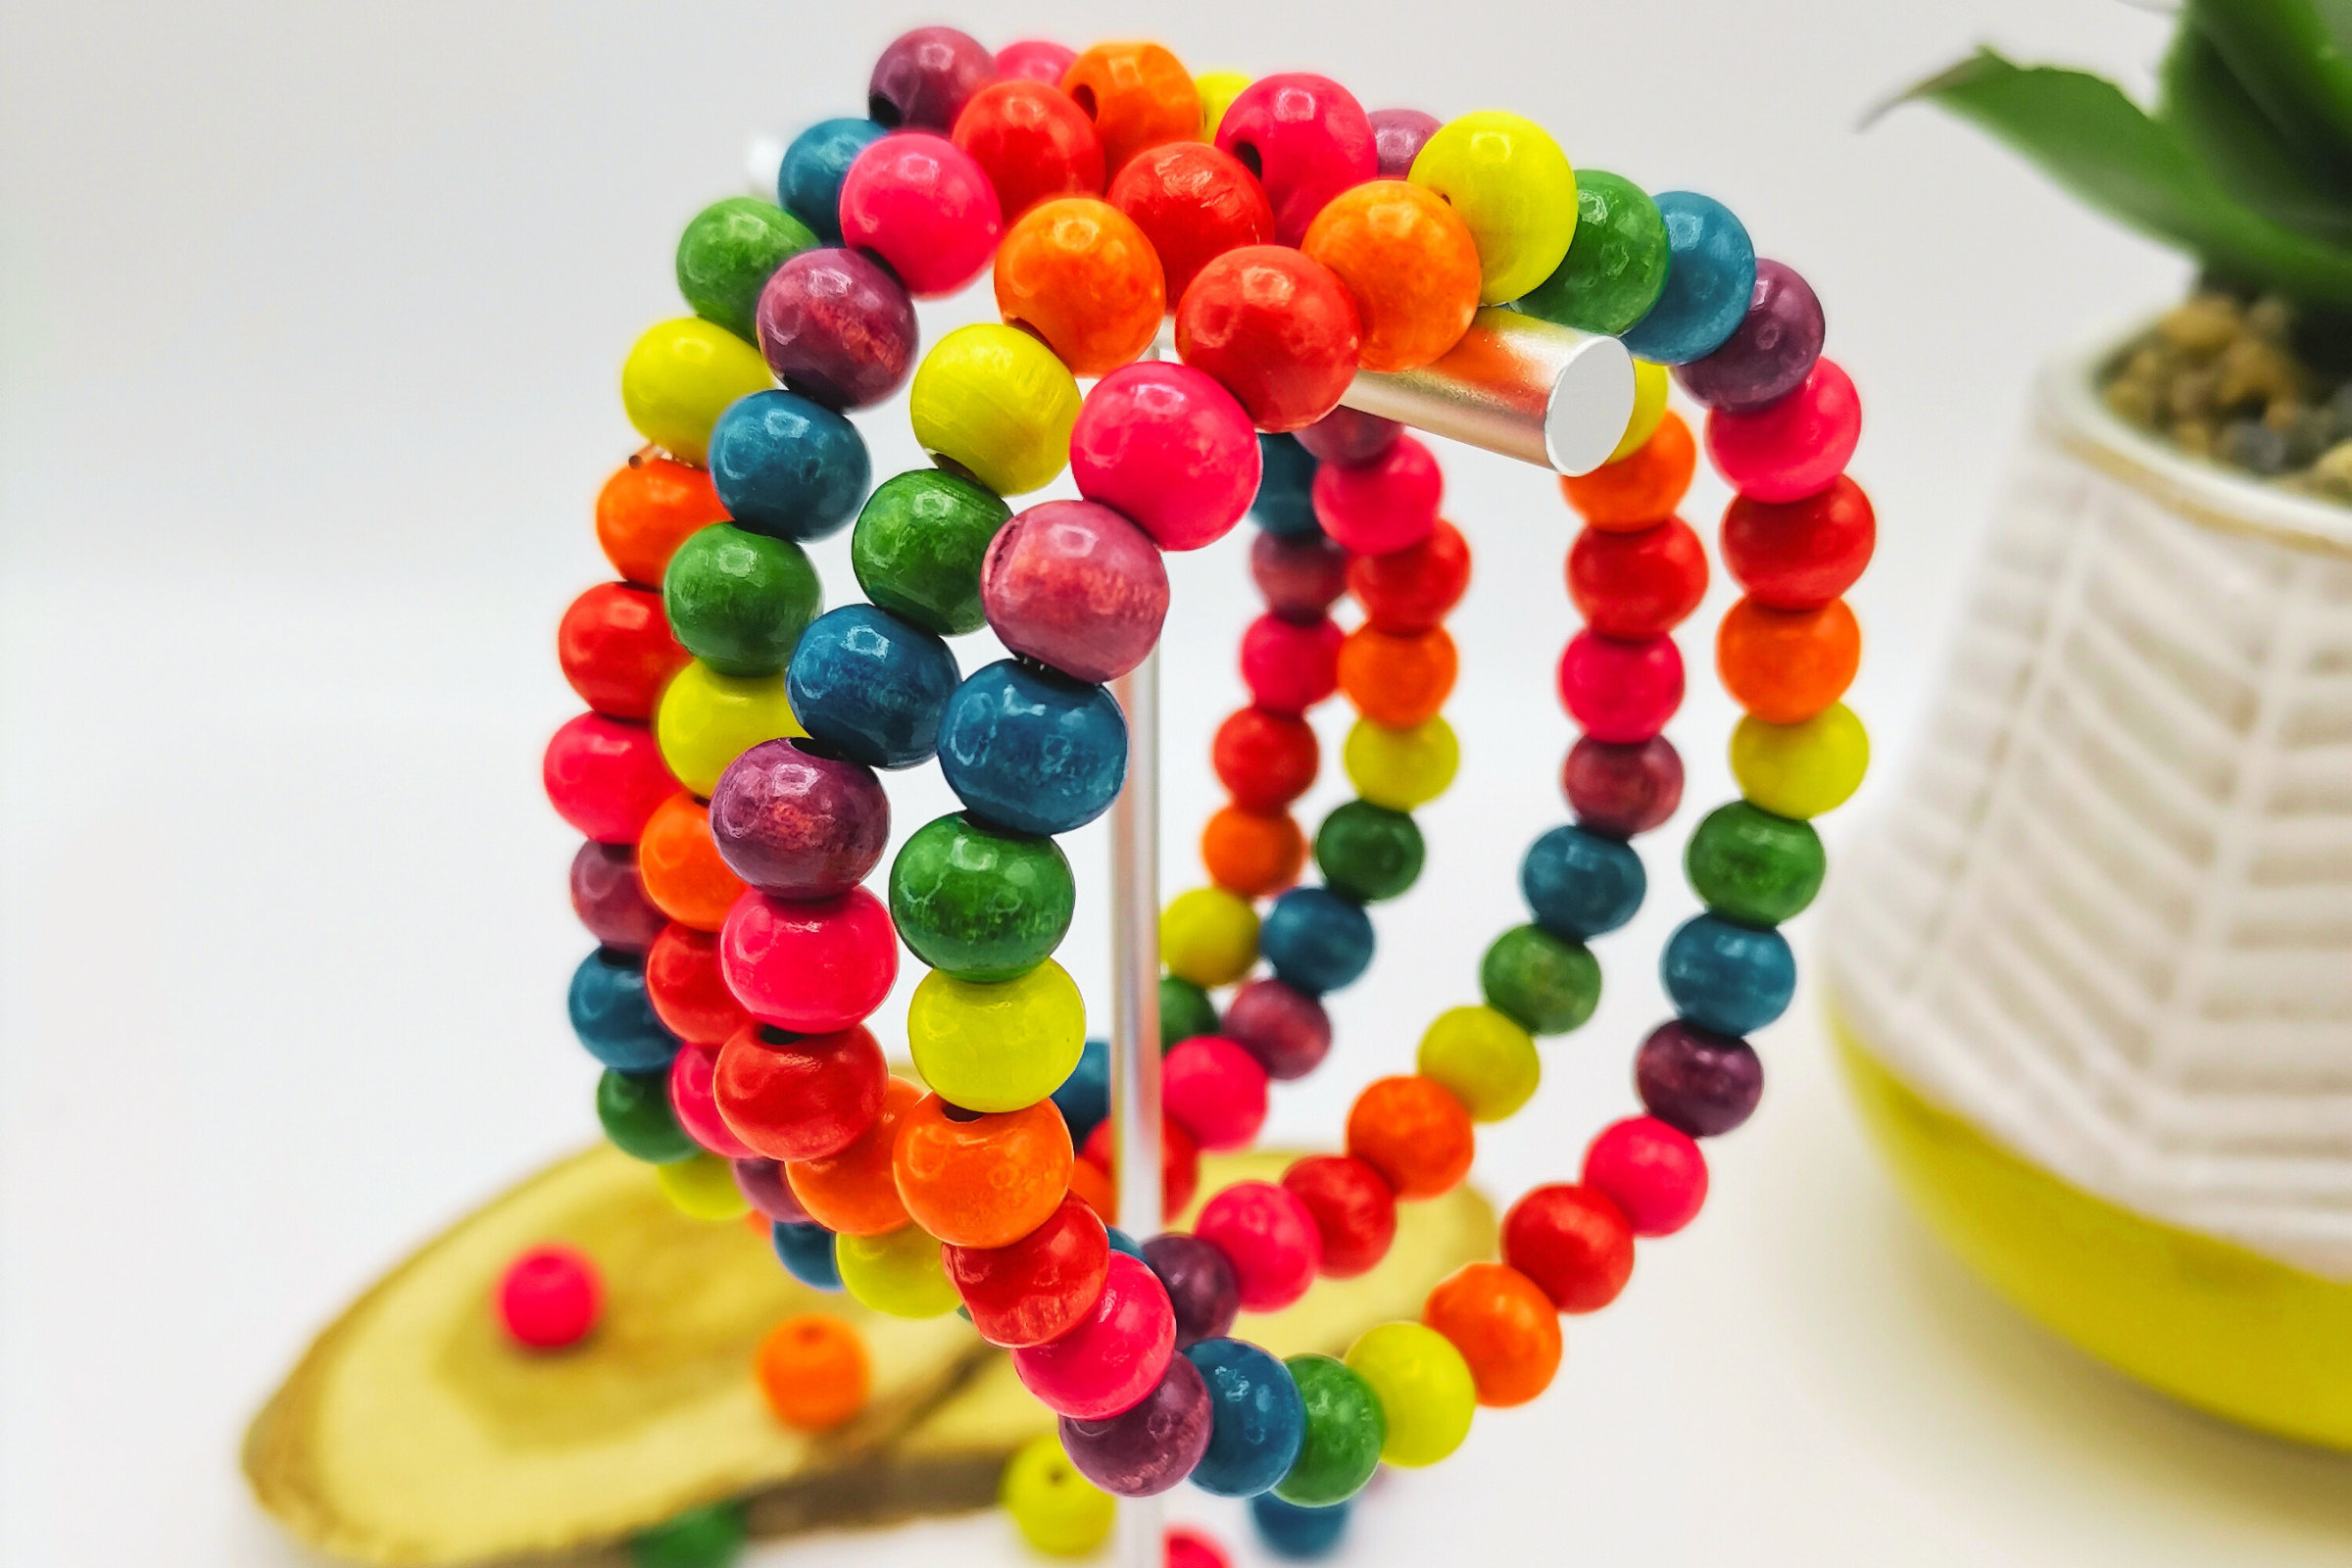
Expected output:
{"points": [[708, 1537], [634, 1107], [1751, 867], [1184, 1012], [739, 601], [727, 254], [1345, 1431], [1616, 265], [1544, 984], [918, 545], [980, 903], [1368, 852]]}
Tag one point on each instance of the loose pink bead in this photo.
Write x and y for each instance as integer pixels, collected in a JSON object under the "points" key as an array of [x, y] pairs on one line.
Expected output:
{"points": [[1036, 60], [1170, 448], [691, 1101], [1305, 138], [605, 776], [1621, 692], [1654, 1175], [550, 1298], [1289, 667], [1270, 1239], [1215, 1089], [1792, 449], [814, 967], [923, 205], [1387, 504], [1115, 1356], [1074, 585]]}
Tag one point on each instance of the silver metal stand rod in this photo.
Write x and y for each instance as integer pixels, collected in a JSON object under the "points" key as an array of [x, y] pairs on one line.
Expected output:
{"points": [[1518, 386]]}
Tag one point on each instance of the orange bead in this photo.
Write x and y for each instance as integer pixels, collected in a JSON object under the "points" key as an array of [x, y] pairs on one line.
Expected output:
{"points": [[646, 511], [1092, 1185], [813, 1370], [1414, 1133], [1785, 665], [1078, 273], [1640, 489], [677, 861], [1410, 262], [1397, 680], [1139, 95], [1505, 1327], [856, 1193], [981, 1179], [1252, 854]]}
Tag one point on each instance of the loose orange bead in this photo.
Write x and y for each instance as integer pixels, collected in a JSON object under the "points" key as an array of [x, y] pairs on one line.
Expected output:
{"points": [[646, 511], [1092, 1185], [1139, 95], [813, 1370], [1078, 273], [1640, 489], [856, 1193], [1250, 854], [1785, 665], [1414, 1133], [1505, 1327], [1410, 262], [677, 861], [1397, 680], [981, 1179]]}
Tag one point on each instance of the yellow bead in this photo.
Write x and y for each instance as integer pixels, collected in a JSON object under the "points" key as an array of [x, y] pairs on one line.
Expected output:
{"points": [[899, 1273], [1508, 180], [1209, 936], [703, 1187], [1057, 1508], [1801, 770], [1218, 89], [1400, 768], [1425, 1388], [1649, 407], [996, 402], [997, 1046], [1488, 1062], [707, 720], [680, 377]]}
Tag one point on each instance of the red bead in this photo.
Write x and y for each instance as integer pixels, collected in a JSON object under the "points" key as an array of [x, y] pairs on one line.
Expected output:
{"points": [[1170, 449], [1193, 203], [1074, 585], [1033, 143], [611, 900], [1216, 1090], [1300, 577], [1413, 590], [1572, 1242], [688, 993], [1115, 1356], [1306, 140], [1621, 692], [924, 207], [1179, 1162], [835, 326], [1387, 504], [1269, 1237], [1189, 1548], [804, 1097], [1264, 759], [616, 649], [1353, 1209], [1348, 437], [693, 1082], [1035, 60], [1288, 667], [1276, 329], [1638, 585], [550, 1298], [926, 77], [1041, 1286], [1622, 790], [811, 967], [1788, 450], [1284, 1028], [1799, 555], [1654, 1174], [605, 776]]}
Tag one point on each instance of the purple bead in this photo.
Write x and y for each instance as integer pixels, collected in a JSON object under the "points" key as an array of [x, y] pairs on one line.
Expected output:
{"points": [[1697, 1081], [1400, 135], [837, 328], [1076, 586], [1348, 438], [1285, 1029], [762, 1186], [924, 78], [1299, 576], [1148, 1450], [610, 900], [1768, 353], [1621, 790], [798, 825], [1200, 1283]]}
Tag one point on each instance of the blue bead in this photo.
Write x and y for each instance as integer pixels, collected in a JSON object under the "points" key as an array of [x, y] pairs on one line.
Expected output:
{"points": [[1121, 1242], [613, 1019], [1256, 1419], [1084, 1097], [1315, 940], [1032, 750], [1581, 884], [807, 1254], [1731, 978], [1285, 503], [1290, 1530], [809, 184], [788, 468], [870, 686], [1710, 273]]}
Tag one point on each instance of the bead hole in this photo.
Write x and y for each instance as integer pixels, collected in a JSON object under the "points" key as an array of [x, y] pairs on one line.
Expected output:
{"points": [[1247, 152], [1084, 97], [882, 111], [771, 1035], [958, 1113]]}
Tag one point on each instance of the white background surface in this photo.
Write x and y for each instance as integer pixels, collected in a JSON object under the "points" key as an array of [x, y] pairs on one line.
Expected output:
{"points": [[312, 316]]}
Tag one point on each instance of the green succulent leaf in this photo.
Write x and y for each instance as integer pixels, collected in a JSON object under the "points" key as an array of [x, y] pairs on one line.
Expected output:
{"points": [[2295, 60], [2217, 116]]}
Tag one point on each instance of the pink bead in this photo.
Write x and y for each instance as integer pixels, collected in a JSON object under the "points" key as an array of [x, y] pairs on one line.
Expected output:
{"points": [[1215, 1089], [605, 776], [1189, 1548], [550, 1298], [1305, 138], [836, 326], [1289, 667], [814, 967], [1270, 1239], [923, 205], [1792, 449], [1621, 692], [1036, 60], [762, 1183], [926, 77], [1285, 1029], [1170, 448], [691, 1101], [1301, 575], [1654, 1175], [1074, 585], [1387, 504], [1115, 1356]]}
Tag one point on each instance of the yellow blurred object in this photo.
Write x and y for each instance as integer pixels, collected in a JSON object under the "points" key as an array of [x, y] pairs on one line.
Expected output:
{"points": [[680, 377], [995, 402], [1057, 1510], [899, 1273], [1803, 769], [1400, 768], [707, 720], [1209, 936], [703, 1187], [1483, 1059], [1218, 89]]}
